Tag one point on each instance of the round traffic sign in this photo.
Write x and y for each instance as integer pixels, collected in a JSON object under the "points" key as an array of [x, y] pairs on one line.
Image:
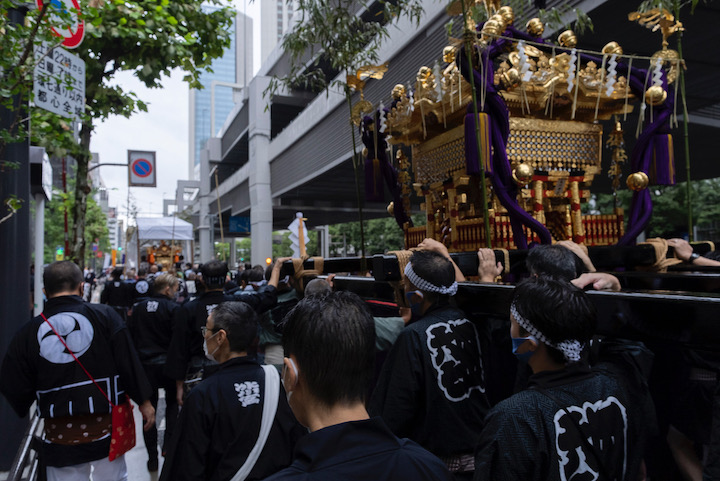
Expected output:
{"points": [[69, 26], [141, 167]]}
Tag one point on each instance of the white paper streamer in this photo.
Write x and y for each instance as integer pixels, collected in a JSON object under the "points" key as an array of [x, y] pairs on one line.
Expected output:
{"points": [[657, 73], [571, 70], [611, 75], [411, 96], [524, 66], [383, 118]]}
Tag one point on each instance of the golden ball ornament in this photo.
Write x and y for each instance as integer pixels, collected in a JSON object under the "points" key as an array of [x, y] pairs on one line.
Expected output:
{"points": [[655, 95], [507, 15], [567, 39], [492, 28], [535, 27], [522, 174], [638, 181], [612, 48]]}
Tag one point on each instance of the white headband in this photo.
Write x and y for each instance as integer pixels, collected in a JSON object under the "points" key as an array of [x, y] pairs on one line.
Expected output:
{"points": [[427, 286], [571, 349]]}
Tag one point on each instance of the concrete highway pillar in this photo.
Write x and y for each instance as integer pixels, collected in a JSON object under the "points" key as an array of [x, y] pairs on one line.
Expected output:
{"points": [[261, 213], [204, 223]]}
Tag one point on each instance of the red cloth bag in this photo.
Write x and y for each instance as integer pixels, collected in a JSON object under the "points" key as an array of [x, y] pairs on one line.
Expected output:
{"points": [[123, 429], [122, 438]]}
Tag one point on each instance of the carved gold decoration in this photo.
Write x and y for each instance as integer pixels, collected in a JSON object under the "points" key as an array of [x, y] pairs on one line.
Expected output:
{"points": [[558, 146], [616, 142], [449, 54], [658, 19], [391, 209], [360, 108], [671, 61], [638, 181]]}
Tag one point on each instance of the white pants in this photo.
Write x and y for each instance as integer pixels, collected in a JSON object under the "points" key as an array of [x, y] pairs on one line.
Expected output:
{"points": [[102, 470]]}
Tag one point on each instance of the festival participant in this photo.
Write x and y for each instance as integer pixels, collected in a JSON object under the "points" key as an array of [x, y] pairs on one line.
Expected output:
{"points": [[684, 252], [432, 388], [570, 421], [329, 344], [151, 327], [565, 260], [40, 365], [221, 423], [117, 294], [185, 354]]}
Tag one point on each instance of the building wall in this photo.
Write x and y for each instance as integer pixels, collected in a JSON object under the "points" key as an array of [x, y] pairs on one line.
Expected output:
{"points": [[233, 67], [275, 20]]}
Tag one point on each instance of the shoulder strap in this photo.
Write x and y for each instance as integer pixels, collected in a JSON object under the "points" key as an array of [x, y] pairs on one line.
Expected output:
{"points": [[42, 314], [604, 474], [272, 392]]}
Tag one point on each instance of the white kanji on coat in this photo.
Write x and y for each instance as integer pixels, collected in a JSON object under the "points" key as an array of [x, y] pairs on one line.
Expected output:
{"points": [[248, 393]]}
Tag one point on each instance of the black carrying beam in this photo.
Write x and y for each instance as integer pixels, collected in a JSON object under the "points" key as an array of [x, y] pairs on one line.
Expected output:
{"points": [[682, 277], [685, 318]]}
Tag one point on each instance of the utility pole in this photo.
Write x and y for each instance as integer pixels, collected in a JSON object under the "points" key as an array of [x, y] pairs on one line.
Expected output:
{"points": [[15, 250]]}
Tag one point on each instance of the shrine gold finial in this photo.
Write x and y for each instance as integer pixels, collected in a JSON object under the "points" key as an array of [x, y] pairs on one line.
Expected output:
{"points": [[658, 19]]}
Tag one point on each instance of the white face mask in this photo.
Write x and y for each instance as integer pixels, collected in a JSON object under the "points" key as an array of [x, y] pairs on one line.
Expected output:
{"points": [[210, 355], [288, 392]]}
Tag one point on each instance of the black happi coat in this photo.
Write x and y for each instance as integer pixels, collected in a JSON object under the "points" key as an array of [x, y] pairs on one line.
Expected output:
{"points": [[38, 367], [117, 293], [432, 387], [187, 339], [530, 437], [151, 326], [219, 425], [360, 451]]}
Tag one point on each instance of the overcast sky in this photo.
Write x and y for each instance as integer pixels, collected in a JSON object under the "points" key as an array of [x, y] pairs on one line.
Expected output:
{"points": [[163, 129]]}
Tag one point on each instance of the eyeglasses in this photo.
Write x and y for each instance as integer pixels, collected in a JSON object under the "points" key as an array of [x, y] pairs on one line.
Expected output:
{"points": [[204, 330]]}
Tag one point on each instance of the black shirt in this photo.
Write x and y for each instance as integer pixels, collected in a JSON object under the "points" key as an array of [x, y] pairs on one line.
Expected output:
{"points": [[361, 450], [151, 326]]}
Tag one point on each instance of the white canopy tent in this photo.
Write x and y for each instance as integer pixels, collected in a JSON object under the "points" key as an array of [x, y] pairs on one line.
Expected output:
{"points": [[149, 229], [164, 228]]}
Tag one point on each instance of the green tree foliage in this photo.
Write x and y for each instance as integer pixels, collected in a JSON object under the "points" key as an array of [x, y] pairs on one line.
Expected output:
{"points": [[670, 212], [381, 235], [149, 38], [96, 227]]}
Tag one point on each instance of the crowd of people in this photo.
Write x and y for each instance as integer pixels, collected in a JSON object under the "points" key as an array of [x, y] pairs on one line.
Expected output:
{"points": [[269, 377]]}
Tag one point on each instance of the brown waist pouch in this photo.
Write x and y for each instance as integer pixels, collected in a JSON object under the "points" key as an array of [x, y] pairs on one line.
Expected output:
{"points": [[82, 429]]}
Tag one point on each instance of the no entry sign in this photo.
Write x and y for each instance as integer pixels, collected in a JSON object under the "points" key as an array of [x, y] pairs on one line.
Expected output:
{"points": [[141, 169], [65, 21]]}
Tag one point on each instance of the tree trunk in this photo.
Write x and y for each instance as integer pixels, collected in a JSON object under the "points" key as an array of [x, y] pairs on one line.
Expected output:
{"points": [[82, 190]]}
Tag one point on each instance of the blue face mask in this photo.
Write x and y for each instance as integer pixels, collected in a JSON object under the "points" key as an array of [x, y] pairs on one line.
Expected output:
{"points": [[415, 307], [519, 341]]}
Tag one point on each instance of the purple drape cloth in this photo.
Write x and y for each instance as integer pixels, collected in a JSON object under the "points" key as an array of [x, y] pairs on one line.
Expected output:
{"points": [[379, 169], [504, 186]]}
